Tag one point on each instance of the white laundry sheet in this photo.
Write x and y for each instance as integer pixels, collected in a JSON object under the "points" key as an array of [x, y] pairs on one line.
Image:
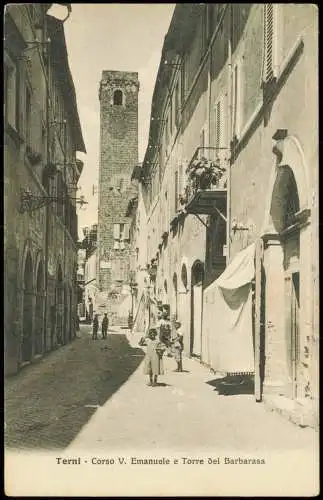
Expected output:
{"points": [[227, 343]]}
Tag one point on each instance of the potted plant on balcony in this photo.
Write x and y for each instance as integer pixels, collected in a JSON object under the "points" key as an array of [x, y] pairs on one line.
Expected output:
{"points": [[205, 173]]}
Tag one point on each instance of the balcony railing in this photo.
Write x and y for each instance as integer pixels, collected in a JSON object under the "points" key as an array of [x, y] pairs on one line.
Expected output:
{"points": [[206, 178]]}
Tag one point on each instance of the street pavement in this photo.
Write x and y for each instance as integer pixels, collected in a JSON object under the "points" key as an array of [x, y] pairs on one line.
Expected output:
{"points": [[93, 395]]}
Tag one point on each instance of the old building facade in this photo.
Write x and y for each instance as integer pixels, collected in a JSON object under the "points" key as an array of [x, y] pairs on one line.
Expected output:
{"points": [[42, 136], [231, 174], [118, 96]]}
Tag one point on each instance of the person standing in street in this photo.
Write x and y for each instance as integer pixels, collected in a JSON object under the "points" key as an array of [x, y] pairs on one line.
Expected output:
{"points": [[95, 327], [153, 365], [177, 344], [105, 326]]}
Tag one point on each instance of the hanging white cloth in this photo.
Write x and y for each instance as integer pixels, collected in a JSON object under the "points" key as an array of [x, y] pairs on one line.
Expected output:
{"points": [[227, 317]]}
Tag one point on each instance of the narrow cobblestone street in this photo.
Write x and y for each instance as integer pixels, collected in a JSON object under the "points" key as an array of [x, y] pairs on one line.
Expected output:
{"points": [[93, 395]]}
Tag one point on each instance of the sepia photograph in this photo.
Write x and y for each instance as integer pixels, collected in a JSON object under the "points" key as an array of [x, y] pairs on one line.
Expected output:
{"points": [[161, 250]]}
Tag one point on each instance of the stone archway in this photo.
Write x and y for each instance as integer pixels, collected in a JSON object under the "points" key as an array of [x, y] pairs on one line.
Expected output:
{"points": [[39, 309], [287, 270], [197, 279], [27, 323], [175, 296]]}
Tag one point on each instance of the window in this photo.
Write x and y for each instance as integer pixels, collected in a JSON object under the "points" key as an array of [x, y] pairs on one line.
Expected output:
{"points": [[220, 123], [176, 191], [184, 276], [180, 179], [217, 124], [118, 98], [121, 233], [270, 42], [11, 83], [209, 20], [204, 27]]}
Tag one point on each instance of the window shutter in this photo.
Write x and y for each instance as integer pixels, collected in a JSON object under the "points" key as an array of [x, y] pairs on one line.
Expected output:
{"points": [[217, 122], [176, 190], [269, 42], [236, 100], [180, 179], [116, 231]]}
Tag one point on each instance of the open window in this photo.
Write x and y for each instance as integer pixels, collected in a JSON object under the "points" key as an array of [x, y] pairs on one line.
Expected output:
{"points": [[118, 98]]}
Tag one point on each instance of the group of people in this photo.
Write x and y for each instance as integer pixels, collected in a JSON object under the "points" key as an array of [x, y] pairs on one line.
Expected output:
{"points": [[160, 340], [104, 326]]}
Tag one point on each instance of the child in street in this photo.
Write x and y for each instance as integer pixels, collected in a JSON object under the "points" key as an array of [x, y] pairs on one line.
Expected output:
{"points": [[165, 331], [153, 365], [178, 347], [95, 327]]}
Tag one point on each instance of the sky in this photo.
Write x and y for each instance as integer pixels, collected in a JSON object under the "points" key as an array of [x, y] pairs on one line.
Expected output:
{"points": [[124, 37]]}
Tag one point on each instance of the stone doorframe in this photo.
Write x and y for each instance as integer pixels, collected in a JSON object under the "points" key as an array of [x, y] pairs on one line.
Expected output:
{"points": [[289, 154]]}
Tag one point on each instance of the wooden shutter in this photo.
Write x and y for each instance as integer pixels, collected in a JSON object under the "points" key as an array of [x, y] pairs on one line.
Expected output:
{"points": [[176, 190], [116, 231], [126, 232], [217, 123], [269, 42], [180, 179], [235, 101]]}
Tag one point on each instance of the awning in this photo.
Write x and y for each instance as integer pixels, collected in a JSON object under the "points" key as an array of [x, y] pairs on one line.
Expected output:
{"points": [[227, 341]]}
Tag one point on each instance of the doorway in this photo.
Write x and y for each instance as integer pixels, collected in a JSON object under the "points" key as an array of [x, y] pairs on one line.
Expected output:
{"points": [[196, 309], [39, 312], [285, 267], [26, 348], [294, 331]]}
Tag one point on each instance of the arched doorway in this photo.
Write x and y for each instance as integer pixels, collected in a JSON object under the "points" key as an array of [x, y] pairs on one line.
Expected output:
{"points": [[174, 301], [196, 308], [284, 208], [26, 348], [165, 292], [39, 310], [59, 306]]}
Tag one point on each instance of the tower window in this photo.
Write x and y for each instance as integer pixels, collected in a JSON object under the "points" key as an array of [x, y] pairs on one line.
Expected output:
{"points": [[118, 98]]}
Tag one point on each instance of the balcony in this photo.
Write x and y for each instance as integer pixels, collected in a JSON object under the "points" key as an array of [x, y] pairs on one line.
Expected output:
{"points": [[205, 191]]}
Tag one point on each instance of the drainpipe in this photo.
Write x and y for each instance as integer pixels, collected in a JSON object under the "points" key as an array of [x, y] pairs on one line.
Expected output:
{"points": [[228, 235]]}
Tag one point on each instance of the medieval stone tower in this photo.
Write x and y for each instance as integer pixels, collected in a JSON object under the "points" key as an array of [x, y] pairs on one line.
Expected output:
{"points": [[118, 96]]}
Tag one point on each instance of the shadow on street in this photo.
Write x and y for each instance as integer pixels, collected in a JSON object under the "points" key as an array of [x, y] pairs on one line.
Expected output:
{"points": [[233, 385], [47, 404]]}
